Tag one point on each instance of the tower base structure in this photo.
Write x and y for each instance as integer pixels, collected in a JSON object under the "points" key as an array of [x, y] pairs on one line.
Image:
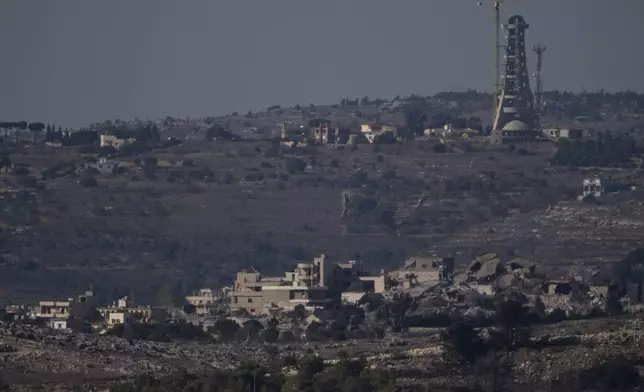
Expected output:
{"points": [[515, 119]]}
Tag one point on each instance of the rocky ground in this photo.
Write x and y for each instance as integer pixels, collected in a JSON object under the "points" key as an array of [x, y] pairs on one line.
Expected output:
{"points": [[566, 238], [37, 356], [39, 359]]}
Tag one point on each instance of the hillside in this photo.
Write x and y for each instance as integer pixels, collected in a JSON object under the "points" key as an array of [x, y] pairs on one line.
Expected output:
{"points": [[194, 214]]}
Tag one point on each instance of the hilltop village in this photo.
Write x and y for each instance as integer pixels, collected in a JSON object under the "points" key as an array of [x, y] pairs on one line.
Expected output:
{"points": [[322, 287], [366, 246]]}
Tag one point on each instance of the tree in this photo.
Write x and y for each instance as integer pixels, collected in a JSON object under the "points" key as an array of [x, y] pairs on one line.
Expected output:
{"points": [[510, 316], [36, 128], [294, 165], [88, 182], [226, 329], [463, 343], [19, 126]]}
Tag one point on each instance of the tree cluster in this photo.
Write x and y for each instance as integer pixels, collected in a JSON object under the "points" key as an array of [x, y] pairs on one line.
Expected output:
{"points": [[312, 376], [607, 151]]}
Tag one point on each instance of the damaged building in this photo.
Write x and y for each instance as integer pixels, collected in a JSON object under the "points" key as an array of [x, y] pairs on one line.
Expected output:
{"points": [[420, 270], [315, 284]]}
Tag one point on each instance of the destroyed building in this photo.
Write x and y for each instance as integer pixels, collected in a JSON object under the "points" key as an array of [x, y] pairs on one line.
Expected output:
{"points": [[322, 132], [420, 270]]}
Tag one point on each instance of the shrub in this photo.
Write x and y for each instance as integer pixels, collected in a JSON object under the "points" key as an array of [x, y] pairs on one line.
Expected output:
{"points": [[608, 151], [439, 148], [294, 165], [616, 374], [88, 182], [150, 161]]}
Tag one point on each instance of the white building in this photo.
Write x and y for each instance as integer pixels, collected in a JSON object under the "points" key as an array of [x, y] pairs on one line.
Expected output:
{"points": [[58, 323], [593, 187], [371, 131]]}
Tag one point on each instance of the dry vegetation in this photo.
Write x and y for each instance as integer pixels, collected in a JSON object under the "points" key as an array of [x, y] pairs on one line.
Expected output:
{"points": [[198, 212]]}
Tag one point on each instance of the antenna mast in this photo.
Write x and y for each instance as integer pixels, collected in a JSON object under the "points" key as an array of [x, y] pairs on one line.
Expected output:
{"points": [[497, 56], [538, 82]]}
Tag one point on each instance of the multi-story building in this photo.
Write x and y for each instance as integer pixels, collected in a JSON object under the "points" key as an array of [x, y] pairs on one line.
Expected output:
{"points": [[202, 300], [62, 309], [53, 309], [315, 284]]}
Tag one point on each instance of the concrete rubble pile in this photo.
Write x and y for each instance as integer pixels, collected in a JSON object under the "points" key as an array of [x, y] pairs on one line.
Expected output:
{"points": [[487, 277]]}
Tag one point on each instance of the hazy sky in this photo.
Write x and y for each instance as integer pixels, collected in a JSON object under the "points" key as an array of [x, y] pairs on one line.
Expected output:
{"points": [[79, 61]]}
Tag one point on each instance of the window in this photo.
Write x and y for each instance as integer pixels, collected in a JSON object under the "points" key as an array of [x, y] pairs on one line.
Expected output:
{"points": [[250, 300]]}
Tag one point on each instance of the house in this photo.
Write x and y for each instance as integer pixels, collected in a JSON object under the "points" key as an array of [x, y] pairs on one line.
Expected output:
{"points": [[57, 323], [563, 133], [450, 132], [118, 316], [124, 310], [202, 300], [63, 309], [593, 187], [53, 309], [203, 297], [321, 132], [293, 134], [13, 313], [103, 166], [258, 295], [376, 130]]}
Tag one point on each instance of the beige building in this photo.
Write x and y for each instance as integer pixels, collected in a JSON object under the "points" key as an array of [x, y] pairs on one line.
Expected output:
{"points": [[108, 140], [419, 270], [116, 317], [53, 309], [62, 309], [203, 297], [202, 300], [315, 284]]}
